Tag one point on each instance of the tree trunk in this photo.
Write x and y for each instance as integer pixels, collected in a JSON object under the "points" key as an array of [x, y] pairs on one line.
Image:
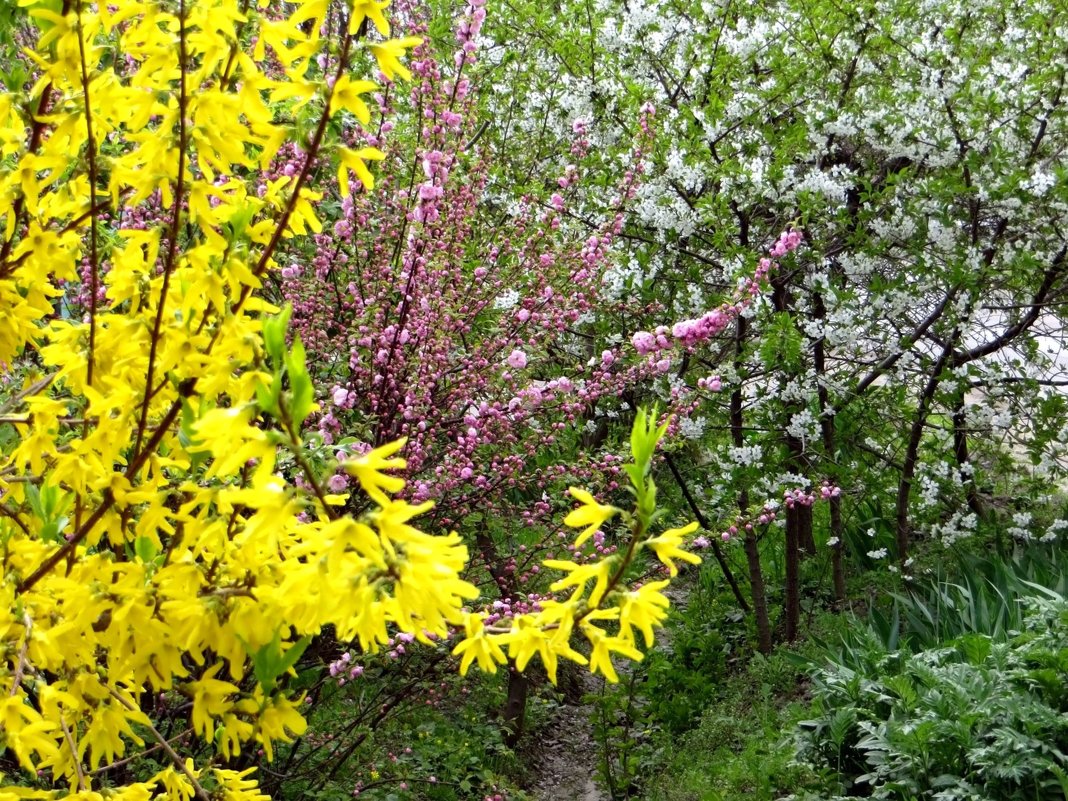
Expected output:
{"points": [[798, 525], [514, 713], [792, 596], [912, 451], [717, 551], [515, 705], [827, 431], [757, 588]]}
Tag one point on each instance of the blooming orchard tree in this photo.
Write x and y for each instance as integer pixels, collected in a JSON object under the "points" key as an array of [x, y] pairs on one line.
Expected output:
{"points": [[441, 312], [909, 343], [170, 536]]}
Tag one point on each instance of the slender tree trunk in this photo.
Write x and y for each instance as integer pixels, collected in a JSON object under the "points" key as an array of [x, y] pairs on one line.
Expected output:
{"points": [[798, 525], [912, 450], [827, 431], [514, 713], [756, 584], [717, 551], [757, 587], [792, 600], [806, 539], [515, 705]]}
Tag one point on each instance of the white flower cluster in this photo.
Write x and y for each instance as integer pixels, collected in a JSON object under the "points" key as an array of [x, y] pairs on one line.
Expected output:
{"points": [[959, 527], [1053, 532], [692, 427], [804, 426], [660, 206], [1039, 183], [683, 171], [832, 185], [1019, 529], [621, 274], [506, 300], [931, 481], [745, 456]]}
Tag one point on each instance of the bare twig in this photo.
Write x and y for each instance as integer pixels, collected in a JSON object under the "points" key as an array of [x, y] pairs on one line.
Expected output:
{"points": [[201, 793]]}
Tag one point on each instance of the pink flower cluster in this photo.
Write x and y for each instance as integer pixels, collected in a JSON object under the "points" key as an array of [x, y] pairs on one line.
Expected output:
{"points": [[690, 333], [437, 327], [468, 31], [791, 498]]}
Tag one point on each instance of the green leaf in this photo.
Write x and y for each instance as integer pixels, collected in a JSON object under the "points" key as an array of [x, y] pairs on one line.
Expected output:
{"points": [[145, 549], [644, 437], [270, 661], [782, 344], [33, 496], [300, 383], [274, 335], [268, 395]]}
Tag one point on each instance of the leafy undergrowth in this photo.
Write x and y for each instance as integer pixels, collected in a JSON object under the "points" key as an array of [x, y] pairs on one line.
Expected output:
{"points": [[972, 720], [741, 748], [954, 691]]}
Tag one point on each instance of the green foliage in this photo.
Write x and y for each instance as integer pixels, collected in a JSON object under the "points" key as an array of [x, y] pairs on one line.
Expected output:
{"points": [[781, 345], [404, 730], [295, 406], [980, 716], [982, 595], [990, 603], [624, 748], [271, 661], [686, 676], [742, 747]]}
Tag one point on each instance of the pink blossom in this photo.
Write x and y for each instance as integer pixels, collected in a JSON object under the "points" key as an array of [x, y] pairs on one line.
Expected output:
{"points": [[517, 360], [712, 384], [643, 342]]}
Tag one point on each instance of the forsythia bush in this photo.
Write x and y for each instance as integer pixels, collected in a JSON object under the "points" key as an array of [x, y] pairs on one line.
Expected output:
{"points": [[164, 527]]}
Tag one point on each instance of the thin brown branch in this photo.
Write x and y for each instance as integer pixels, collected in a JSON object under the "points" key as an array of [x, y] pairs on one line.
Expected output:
{"points": [[201, 793], [20, 665], [73, 753], [176, 215], [141, 755]]}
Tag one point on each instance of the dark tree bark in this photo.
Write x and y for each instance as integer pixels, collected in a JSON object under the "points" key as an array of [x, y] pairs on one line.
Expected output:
{"points": [[514, 713], [702, 521], [912, 449], [799, 538], [827, 432], [757, 587]]}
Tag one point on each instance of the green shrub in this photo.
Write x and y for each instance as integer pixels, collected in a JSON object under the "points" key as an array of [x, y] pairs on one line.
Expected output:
{"points": [[979, 718]]}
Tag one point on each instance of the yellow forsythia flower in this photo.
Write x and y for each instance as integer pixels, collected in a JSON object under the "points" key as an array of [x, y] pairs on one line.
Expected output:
{"points": [[591, 514], [668, 547]]}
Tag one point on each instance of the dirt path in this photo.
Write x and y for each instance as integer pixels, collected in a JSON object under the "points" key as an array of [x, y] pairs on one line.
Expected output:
{"points": [[566, 766]]}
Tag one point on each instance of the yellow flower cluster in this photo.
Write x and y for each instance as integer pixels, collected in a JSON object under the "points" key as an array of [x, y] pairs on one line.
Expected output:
{"points": [[152, 535], [600, 595], [149, 540]]}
